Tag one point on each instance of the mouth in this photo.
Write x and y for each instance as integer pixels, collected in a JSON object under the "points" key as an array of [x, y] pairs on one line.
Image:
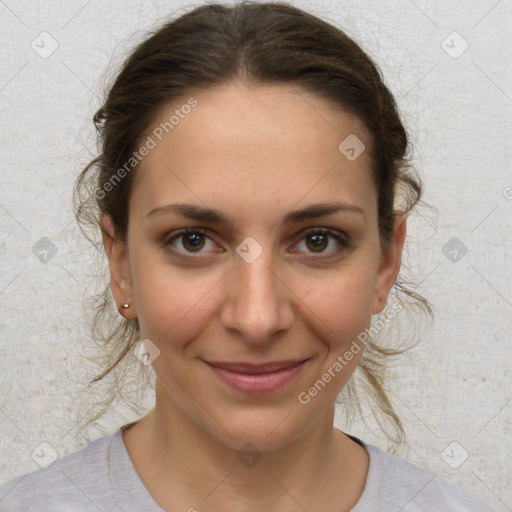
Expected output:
{"points": [[257, 378]]}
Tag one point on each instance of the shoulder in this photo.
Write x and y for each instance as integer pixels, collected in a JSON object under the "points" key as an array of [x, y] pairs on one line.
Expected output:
{"points": [[79, 479], [394, 483]]}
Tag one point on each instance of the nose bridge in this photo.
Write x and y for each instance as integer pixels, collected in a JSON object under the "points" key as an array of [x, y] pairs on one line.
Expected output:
{"points": [[259, 304]]}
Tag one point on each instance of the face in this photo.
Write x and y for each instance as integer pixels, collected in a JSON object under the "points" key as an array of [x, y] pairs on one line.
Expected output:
{"points": [[253, 284]]}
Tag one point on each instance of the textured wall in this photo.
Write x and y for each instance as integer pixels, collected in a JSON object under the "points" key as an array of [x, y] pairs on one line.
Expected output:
{"points": [[448, 64]]}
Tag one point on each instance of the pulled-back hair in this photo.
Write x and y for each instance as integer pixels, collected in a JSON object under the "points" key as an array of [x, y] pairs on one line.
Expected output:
{"points": [[261, 44]]}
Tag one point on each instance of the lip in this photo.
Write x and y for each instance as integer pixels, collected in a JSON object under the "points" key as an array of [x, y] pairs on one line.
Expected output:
{"points": [[255, 379]]}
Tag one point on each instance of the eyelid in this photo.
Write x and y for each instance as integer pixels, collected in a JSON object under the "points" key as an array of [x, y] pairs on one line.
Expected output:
{"points": [[324, 230], [180, 232], [341, 238], [173, 235]]}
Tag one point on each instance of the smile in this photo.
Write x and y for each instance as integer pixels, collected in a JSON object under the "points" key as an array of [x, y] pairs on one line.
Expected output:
{"points": [[255, 379]]}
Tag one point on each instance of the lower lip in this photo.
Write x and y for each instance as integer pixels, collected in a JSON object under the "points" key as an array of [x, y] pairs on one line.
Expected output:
{"points": [[258, 383]]}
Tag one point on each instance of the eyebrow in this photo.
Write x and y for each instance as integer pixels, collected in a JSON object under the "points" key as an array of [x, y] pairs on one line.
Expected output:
{"points": [[195, 212]]}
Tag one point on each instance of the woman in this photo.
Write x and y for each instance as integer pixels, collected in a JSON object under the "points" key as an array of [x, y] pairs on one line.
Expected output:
{"points": [[252, 196]]}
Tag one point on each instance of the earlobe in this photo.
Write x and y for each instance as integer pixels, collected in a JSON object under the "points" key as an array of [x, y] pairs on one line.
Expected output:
{"points": [[390, 263], [120, 277]]}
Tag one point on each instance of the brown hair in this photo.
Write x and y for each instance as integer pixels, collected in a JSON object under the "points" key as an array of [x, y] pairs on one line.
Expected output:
{"points": [[262, 44]]}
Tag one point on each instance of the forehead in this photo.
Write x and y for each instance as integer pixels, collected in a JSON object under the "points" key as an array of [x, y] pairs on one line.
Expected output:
{"points": [[263, 145]]}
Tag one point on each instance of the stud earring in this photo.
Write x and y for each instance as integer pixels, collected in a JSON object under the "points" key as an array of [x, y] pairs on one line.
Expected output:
{"points": [[125, 306]]}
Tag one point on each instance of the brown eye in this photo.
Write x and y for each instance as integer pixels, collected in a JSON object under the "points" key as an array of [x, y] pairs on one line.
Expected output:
{"points": [[188, 241], [193, 241], [317, 240]]}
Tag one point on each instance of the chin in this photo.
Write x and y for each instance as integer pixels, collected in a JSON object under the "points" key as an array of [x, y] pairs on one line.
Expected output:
{"points": [[267, 430]]}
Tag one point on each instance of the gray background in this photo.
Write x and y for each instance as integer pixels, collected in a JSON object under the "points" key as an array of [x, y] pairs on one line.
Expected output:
{"points": [[452, 391]]}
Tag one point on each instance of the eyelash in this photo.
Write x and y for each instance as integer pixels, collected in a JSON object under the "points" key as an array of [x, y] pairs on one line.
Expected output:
{"points": [[340, 238]]}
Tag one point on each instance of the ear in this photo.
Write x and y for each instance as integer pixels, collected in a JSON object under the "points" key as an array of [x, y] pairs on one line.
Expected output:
{"points": [[120, 276], [390, 263]]}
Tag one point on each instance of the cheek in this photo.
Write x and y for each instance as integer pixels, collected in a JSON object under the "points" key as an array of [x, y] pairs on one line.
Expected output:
{"points": [[175, 304], [343, 302], [172, 304]]}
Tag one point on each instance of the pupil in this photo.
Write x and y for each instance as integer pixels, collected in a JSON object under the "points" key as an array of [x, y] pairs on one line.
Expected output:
{"points": [[194, 240], [318, 241]]}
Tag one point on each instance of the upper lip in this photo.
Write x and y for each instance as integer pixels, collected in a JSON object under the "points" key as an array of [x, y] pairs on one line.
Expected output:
{"points": [[242, 367]]}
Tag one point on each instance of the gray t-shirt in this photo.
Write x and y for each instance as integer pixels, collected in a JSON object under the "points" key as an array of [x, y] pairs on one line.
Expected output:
{"points": [[101, 477]]}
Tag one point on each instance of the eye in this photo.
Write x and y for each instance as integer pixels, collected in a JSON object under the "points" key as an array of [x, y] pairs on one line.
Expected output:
{"points": [[317, 240], [192, 240]]}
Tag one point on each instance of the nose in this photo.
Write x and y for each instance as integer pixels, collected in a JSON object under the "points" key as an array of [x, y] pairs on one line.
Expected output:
{"points": [[258, 303]]}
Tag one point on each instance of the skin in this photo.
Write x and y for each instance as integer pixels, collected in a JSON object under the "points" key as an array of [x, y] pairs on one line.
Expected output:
{"points": [[254, 153]]}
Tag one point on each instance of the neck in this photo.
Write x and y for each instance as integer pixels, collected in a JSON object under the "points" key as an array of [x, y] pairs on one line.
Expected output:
{"points": [[181, 462]]}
